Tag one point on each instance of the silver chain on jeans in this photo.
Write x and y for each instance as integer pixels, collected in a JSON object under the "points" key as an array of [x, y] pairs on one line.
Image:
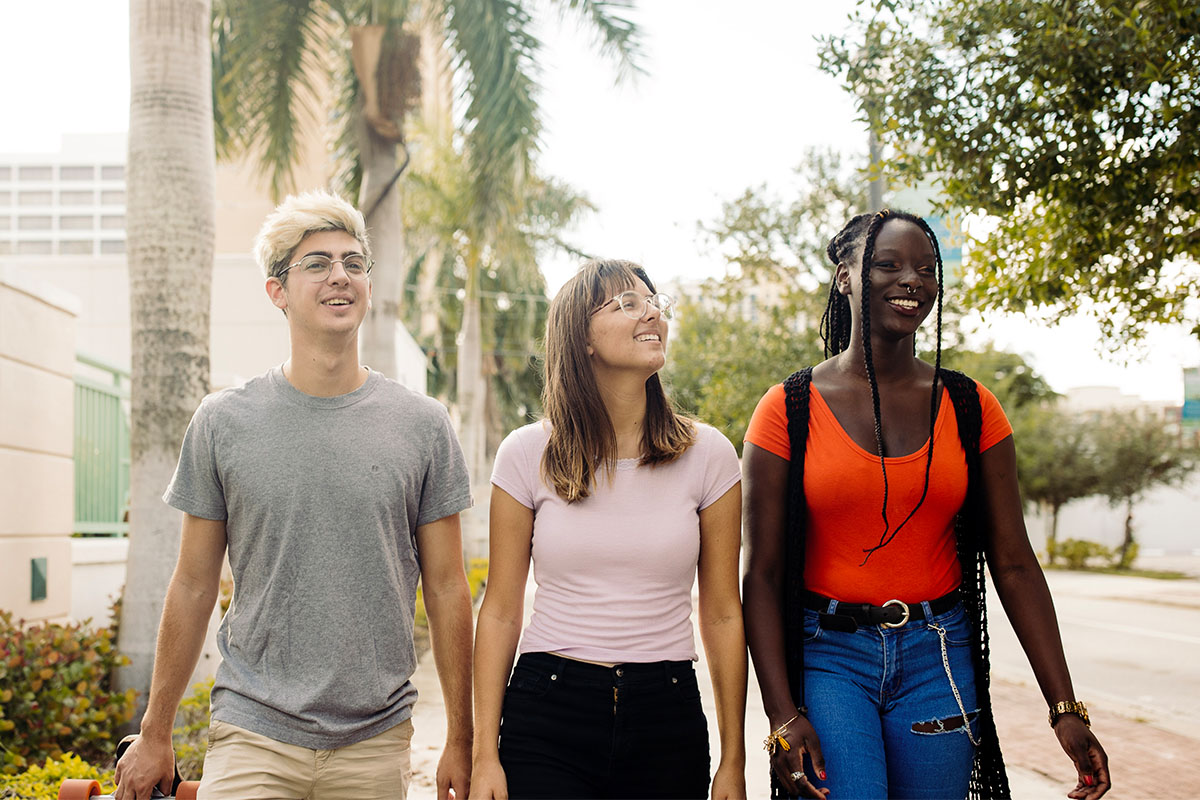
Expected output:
{"points": [[941, 632]]}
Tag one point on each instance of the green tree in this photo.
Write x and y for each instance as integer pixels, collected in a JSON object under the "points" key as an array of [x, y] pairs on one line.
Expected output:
{"points": [[272, 58], [721, 363], [1136, 454], [170, 220], [1015, 383], [1070, 123], [738, 335], [1056, 463]]}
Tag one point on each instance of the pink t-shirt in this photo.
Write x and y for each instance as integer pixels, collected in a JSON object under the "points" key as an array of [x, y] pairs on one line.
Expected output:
{"points": [[614, 571]]}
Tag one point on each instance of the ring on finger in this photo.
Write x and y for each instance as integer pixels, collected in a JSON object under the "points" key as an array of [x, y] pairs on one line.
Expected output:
{"points": [[797, 776]]}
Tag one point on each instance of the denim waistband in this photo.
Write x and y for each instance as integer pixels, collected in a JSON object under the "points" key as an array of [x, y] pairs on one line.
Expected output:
{"points": [[621, 674]]}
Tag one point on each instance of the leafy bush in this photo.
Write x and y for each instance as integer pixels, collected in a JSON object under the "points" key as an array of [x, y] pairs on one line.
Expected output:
{"points": [[1078, 552], [56, 693], [477, 571], [191, 735], [41, 782], [1124, 558]]}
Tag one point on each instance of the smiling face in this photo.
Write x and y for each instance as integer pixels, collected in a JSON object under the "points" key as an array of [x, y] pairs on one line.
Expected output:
{"points": [[904, 281], [333, 306], [617, 343]]}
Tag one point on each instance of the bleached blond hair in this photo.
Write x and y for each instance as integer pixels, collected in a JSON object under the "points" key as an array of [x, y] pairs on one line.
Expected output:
{"points": [[297, 217]]}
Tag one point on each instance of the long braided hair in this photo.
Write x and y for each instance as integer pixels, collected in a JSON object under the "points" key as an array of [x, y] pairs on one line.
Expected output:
{"points": [[836, 327], [988, 776]]}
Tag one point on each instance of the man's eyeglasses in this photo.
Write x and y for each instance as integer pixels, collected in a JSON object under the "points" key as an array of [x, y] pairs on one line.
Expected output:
{"points": [[317, 267], [635, 306]]}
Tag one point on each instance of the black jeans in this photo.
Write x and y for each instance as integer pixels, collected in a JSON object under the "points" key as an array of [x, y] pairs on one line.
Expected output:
{"points": [[576, 730]]}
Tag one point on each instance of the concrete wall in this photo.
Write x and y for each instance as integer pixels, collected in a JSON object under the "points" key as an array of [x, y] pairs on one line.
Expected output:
{"points": [[1164, 522], [97, 575], [37, 475]]}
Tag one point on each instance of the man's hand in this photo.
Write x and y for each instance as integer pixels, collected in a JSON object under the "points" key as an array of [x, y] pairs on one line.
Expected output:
{"points": [[454, 772], [148, 763]]}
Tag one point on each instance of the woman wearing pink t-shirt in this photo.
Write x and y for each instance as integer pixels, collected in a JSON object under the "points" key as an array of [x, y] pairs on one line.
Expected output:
{"points": [[620, 504]]}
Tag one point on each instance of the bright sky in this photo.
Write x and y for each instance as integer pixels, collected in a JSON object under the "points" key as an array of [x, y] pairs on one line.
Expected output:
{"points": [[732, 99]]}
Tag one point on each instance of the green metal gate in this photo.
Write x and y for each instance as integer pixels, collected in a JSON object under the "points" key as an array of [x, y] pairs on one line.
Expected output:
{"points": [[101, 450]]}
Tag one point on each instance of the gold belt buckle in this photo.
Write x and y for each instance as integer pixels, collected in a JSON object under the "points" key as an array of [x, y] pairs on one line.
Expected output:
{"points": [[903, 620]]}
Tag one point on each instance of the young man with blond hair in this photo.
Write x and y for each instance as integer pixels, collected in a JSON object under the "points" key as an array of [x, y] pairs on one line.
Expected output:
{"points": [[332, 488]]}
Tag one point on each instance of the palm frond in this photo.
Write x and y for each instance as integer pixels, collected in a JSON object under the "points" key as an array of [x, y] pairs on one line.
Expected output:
{"points": [[495, 52], [347, 122], [272, 54], [617, 36]]}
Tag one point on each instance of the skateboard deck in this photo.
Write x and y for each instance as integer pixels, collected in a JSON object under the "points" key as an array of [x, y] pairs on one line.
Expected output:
{"points": [[77, 789], [85, 789]]}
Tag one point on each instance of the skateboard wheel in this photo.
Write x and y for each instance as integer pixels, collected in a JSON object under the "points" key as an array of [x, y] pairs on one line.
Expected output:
{"points": [[187, 790], [78, 789]]}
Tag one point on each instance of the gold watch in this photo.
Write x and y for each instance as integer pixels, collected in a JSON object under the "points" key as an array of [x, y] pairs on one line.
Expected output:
{"points": [[1069, 707]]}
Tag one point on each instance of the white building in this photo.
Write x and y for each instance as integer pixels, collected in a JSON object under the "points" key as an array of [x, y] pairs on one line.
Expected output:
{"points": [[67, 203], [62, 222]]}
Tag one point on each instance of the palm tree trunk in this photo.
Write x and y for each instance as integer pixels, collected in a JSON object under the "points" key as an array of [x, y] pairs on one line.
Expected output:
{"points": [[170, 229], [471, 404], [379, 198]]}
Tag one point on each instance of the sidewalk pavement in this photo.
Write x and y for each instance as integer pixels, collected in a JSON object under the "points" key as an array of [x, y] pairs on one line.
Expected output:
{"points": [[1037, 768]]}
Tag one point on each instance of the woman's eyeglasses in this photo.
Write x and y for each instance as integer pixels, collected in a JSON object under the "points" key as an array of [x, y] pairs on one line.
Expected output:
{"points": [[635, 306]]}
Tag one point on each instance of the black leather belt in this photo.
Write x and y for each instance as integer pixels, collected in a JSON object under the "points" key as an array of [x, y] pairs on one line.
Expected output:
{"points": [[892, 614]]}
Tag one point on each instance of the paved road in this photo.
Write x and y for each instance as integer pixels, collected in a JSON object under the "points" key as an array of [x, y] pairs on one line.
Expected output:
{"points": [[1133, 645]]}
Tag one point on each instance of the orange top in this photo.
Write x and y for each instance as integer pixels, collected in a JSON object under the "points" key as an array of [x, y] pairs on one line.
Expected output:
{"points": [[843, 488]]}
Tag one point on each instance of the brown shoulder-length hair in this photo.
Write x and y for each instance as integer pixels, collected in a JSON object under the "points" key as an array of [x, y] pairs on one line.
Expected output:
{"points": [[582, 439]]}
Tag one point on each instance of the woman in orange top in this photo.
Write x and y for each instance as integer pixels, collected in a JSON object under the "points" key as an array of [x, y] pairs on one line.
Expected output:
{"points": [[864, 585]]}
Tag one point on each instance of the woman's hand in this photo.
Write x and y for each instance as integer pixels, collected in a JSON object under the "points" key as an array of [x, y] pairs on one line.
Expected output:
{"points": [[729, 783], [1091, 762], [801, 739], [488, 781]]}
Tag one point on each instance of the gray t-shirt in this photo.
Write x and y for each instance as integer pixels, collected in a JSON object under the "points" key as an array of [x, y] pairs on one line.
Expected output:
{"points": [[322, 497]]}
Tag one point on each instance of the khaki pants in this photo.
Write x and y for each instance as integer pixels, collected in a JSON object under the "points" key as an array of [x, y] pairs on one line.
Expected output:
{"points": [[241, 765]]}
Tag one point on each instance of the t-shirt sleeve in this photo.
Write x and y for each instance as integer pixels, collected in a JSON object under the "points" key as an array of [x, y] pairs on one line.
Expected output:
{"points": [[768, 425], [721, 468], [447, 486], [196, 488], [996, 426], [512, 471]]}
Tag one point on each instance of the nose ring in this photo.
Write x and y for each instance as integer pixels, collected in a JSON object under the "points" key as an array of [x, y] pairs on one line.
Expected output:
{"points": [[910, 289]]}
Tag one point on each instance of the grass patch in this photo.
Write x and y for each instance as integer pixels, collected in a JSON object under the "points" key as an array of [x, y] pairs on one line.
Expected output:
{"points": [[1157, 574]]}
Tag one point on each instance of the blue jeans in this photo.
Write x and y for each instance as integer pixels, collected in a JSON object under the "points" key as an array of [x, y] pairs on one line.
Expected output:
{"points": [[884, 708], [576, 730]]}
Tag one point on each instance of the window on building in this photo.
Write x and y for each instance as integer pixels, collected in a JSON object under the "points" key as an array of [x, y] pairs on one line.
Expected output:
{"points": [[5, 173], [113, 222], [76, 222], [38, 173], [112, 197], [5, 248], [115, 172], [77, 198], [5, 223], [34, 248], [34, 223], [76, 173], [112, 247], [75, 247], [5, 198], [34, 198]]}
